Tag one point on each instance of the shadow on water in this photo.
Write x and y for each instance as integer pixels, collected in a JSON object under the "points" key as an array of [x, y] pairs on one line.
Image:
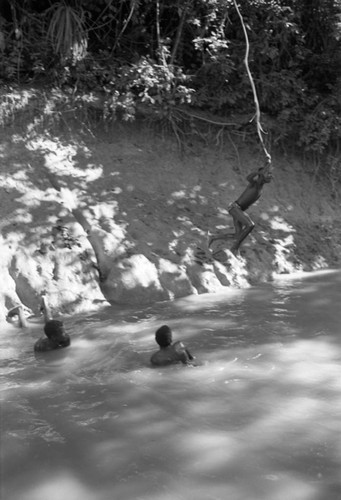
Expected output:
{"points": [[259, 419]]}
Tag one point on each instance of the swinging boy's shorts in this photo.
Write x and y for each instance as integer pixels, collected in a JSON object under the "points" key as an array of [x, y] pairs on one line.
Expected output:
{"points": [[232, 205]]}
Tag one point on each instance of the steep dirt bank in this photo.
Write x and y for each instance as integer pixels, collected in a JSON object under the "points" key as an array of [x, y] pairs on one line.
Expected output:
{"points": [[118, 215]]}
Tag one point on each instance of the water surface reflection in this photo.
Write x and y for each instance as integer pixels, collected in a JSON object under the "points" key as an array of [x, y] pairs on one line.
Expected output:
{"points": [[260, 419]]}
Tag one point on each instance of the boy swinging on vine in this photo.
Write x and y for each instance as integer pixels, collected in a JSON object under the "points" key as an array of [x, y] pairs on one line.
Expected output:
{"points": [[242, 221]]}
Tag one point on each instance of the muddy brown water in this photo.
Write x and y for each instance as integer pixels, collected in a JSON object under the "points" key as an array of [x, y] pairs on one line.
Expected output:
{"points": [[260, 419]]}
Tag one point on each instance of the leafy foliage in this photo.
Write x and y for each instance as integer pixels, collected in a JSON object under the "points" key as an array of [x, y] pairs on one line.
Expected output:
{"points": [[168, 54], [67, 32]]}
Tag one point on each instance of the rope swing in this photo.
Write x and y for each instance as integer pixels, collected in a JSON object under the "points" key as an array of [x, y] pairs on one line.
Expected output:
{"points": [[255, 98]]}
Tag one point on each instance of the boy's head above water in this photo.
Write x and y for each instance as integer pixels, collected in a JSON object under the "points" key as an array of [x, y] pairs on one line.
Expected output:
{"points": [[56, 337], [169, 352], [163, 336], [54, 329]]}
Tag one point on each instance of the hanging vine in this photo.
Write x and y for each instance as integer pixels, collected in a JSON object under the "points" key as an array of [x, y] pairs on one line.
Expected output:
{"points": [[257, 116]]}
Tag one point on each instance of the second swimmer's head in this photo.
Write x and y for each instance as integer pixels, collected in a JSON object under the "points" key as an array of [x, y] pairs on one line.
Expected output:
{"points": [[163, 336], [54, 329]]}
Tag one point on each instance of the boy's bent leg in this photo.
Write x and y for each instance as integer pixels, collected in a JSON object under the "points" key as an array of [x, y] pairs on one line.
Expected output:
{"points": [[247, 225], [227, 235]]}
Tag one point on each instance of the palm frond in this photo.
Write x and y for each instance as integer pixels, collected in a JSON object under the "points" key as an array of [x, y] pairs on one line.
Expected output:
{"points": [[67, 31]]}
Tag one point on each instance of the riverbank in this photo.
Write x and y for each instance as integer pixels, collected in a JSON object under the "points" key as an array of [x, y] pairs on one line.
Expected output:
{"points": [[91, 214]]}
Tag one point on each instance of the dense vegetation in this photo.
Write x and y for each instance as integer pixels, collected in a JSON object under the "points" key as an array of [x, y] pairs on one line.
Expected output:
{"points": [[183, 61]]}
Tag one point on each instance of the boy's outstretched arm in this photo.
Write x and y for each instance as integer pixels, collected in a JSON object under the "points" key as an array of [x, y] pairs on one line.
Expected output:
{"points": [[252, 177], [189, 354]]}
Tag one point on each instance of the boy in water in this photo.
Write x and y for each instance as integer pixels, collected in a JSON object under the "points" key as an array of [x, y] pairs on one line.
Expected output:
{"points": [[242, 222], [56, 337], [170, 353], [19, 312]]}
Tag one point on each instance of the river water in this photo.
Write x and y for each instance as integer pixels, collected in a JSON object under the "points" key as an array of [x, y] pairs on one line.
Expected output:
{"points": [[259, 419]]}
